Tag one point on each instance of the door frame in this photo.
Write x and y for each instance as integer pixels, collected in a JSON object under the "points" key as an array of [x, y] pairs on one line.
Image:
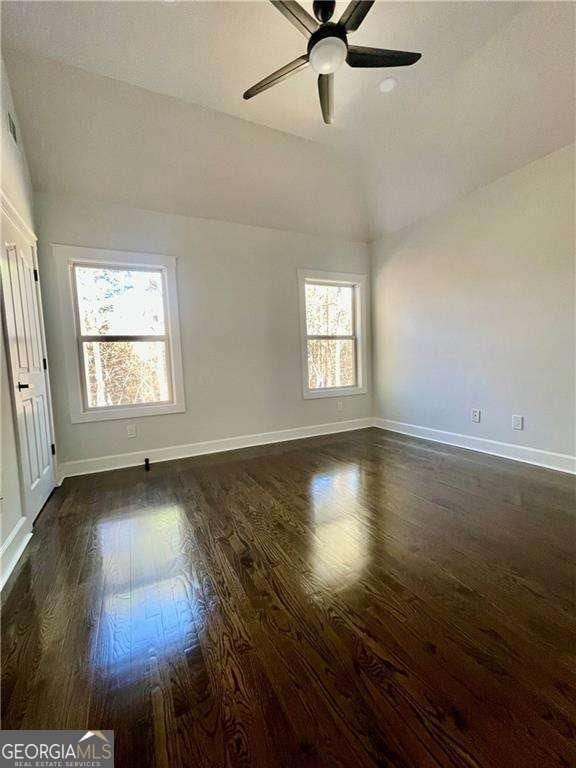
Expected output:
{"points": [[11, 214]]}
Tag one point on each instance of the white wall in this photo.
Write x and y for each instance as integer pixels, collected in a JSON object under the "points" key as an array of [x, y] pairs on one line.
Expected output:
{"points": [[15, 185], [239, 319], [474, 308]]}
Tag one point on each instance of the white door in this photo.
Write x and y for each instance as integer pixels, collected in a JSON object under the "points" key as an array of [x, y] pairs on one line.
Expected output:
{"points": [[23, 323]]}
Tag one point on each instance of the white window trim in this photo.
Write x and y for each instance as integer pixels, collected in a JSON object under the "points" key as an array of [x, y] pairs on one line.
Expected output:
{"points": [[360, 283], [65, 256]]}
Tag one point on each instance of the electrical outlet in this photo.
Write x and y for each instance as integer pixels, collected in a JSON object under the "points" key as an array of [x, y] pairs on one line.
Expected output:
{"points": [[476, 415], [131, 430], [339, 405], [517, 422]]}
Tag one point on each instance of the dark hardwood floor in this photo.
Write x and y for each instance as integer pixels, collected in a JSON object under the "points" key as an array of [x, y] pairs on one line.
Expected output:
{"points": [[354, 600]]}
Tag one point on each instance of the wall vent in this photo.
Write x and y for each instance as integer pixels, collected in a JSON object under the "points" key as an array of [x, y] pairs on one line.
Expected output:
{"points": [[12, 127]]}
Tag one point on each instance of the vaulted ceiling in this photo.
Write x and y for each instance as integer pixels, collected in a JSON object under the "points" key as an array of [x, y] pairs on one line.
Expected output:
{"points": [[493, 90]]}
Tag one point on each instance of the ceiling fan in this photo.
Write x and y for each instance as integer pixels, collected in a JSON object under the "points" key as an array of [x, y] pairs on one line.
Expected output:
{"points": [[328, 48]]}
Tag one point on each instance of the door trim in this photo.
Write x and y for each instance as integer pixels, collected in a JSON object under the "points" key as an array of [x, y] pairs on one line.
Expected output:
{"points": [[17, 539], [11, 213]]}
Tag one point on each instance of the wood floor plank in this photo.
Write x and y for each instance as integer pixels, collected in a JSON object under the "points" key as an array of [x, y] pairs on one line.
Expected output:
{"points": [[523, 721], [355, 600]]}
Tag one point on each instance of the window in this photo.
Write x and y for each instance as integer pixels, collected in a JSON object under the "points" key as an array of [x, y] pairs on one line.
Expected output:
{"points": [[333, 324], [125, 337], [123, 345]]}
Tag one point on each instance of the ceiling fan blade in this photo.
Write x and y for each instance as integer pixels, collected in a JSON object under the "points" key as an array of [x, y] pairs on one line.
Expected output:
{"points": [[294, 12], [278, 76], [355, 14], [358, 56], [326, 93]]}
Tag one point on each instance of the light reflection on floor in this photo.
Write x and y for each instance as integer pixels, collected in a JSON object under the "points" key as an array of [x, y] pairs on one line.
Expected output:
{"points": [[149, 595], [148, 606], [340, 544]]}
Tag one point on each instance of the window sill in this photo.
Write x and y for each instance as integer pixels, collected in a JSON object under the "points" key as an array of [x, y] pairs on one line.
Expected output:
{"points": [[129, 412], [313, 394]]}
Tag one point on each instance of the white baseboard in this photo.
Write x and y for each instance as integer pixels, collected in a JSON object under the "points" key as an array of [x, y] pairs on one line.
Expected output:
{"points": [[118, 461], [559, 461], [18, 538], [12, 548]]}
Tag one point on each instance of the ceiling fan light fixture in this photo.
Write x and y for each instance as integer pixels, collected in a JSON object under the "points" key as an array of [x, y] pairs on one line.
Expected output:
{"points": [[328, 48], [328, 55]]}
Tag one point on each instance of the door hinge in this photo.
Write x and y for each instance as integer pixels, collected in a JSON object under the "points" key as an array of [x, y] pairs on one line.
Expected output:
{"points": [[35, 275], [53, 449], [44, 364]]}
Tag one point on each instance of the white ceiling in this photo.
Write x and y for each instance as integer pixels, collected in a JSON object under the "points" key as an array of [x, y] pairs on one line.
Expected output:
{"points": [[210, 52], [493, 90]]}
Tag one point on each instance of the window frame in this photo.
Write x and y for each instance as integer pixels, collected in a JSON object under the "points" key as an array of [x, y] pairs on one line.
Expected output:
{"points": [[67, 258], [359, 283]]}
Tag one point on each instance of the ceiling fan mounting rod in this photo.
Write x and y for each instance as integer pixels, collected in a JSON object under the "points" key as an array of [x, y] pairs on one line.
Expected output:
{"points": [[324, 10], [329, 29]]}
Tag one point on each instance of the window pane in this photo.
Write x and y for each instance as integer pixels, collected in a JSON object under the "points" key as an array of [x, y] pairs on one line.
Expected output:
{"points": [[125, 373], [331, 363], [329, 310], [119, 302]]}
